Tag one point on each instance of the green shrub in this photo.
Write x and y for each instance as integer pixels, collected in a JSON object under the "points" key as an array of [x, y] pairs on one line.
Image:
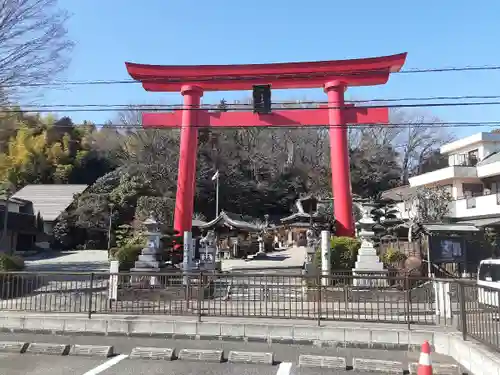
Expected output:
{"points": [[344, 251], [11, 263], [126, 235], [393, 256], [127, 256]]}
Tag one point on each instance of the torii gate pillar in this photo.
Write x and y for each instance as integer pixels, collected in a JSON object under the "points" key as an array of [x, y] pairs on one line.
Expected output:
{"points": [[339, 159], [333, 76], [186, 178]]}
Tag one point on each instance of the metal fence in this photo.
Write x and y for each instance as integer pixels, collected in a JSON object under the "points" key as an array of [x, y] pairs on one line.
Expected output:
{"points": [[479, 316], [341, 296]]}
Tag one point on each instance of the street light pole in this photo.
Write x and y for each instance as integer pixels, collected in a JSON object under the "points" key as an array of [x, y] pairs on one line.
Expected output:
{"points": [[215, 178]]}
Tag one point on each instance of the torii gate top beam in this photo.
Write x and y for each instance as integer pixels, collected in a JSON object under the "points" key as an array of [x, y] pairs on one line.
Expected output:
{"points": [[354, 72]]}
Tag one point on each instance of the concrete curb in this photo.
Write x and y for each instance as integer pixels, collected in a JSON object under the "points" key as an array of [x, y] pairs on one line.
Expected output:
{"points": [[92, 350], [379, 337], [165, 354], [13, 347], [473, 356], [377, 365], [202, 355], [251, 357], [438, 369], [306, 360], [48, 348]]}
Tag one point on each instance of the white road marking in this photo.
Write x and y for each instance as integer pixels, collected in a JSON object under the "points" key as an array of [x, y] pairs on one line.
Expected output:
{"points": [[284, 368], [113, 361]]}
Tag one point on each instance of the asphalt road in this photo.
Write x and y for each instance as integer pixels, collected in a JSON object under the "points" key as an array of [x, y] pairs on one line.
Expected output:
{"points": [[49, 365], [27, 364]]}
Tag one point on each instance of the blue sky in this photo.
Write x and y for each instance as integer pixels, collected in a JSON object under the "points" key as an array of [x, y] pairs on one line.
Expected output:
{"points": [[434, 33]]}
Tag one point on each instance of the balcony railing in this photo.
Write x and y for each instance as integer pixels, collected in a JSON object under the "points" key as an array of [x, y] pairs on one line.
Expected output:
{"points": [[477, 205], [464, 160]]}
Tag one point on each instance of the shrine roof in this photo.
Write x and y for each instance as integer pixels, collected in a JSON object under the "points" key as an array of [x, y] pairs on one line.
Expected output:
{"points": [[353, 72], [302, 216], [230, 220]]}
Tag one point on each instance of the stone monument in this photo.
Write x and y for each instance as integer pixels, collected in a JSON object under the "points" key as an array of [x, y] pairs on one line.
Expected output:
{"points": [[150, 260], [368, 263], [310, 253], [208, 252]]}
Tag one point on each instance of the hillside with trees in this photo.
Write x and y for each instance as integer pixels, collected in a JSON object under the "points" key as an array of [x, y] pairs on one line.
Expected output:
{"points": [[132, 171]]}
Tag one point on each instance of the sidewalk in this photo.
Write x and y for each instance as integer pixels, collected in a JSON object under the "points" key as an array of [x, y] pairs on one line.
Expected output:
{"points": [[292, 258]]}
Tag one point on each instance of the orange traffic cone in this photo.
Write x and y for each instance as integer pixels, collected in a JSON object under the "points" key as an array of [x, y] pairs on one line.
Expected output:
{"points": [[424, 363]]}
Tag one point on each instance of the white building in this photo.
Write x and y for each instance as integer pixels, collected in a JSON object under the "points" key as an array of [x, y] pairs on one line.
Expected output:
{"points": [[472, 177]]}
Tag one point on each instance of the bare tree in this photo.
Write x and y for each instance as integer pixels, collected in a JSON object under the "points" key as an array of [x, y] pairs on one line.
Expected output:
{"points": [[416, 138], [33, 43], [131, 117], [426, 205]]}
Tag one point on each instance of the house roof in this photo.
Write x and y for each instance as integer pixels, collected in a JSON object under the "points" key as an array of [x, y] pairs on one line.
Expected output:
{"points": [[15, 200], [450, 228], [49, 200], [399, 194]]}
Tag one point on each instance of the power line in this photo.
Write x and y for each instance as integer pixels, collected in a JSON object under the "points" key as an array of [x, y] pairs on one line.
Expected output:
{"points": [[246, 107], [236, 103], [250, 77], [423, 125]]}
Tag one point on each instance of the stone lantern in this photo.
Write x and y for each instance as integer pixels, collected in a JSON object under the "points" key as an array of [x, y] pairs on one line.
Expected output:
{"points": [[150, 259], [368, 262]]}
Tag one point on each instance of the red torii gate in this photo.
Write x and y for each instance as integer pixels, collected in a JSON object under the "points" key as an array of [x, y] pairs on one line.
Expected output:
{"points": [[333, 76]]}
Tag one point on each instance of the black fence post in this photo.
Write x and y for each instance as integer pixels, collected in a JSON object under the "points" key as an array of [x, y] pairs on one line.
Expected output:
{"points": [[201, 292], [319, 280], [463, 313], [497, 343], [91, 293], [408, 301]]}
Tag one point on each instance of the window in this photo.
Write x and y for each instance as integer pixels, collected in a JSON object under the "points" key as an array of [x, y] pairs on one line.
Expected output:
{"points": [[472, 190], [471, 202], [473, 157]]}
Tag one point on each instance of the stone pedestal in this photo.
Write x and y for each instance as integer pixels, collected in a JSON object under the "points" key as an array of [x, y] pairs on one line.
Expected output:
{"points": [[325, 258], [187, 257], [114, 269], [260, 240], [150, 259], [368, 262]]}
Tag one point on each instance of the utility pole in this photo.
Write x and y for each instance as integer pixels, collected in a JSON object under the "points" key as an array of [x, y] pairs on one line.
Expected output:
{"points": [[110, 223], [7, 192]]}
